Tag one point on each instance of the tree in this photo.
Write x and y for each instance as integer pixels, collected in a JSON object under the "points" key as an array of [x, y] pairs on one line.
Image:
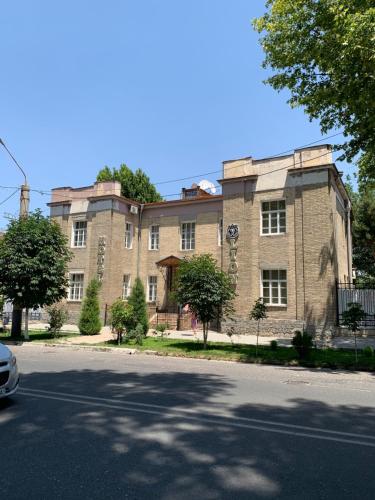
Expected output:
{"points": [[137, 300], [258, 312], [323, 52], [351, 318], [122, 318], [33, 264], [205, 288], [89, 320], [363, 232], [134, 185], [58, 315]]}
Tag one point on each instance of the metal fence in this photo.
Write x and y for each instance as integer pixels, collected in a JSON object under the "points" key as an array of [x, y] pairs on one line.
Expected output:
{"points": [[348, 292]]}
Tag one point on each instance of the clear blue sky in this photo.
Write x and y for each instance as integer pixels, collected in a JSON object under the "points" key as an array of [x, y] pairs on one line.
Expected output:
{"points": [[171, 86]]}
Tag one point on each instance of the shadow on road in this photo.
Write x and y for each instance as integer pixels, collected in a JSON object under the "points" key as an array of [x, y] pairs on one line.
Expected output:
{"points": [[100, 434]]}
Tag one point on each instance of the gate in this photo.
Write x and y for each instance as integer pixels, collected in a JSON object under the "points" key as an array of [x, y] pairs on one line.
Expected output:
{"points": [[349, 292]]}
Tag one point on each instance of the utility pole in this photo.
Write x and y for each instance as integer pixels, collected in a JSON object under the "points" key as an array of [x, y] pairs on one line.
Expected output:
{"points": [[24, 210]]}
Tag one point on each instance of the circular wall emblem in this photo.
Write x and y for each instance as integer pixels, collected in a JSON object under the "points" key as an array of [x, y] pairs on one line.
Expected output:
{"points": [[233, 231]]}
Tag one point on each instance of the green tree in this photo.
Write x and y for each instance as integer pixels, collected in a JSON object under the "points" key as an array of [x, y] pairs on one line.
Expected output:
{"points": [[351, 318], [58, 315], [323, 51], [33, 264], [89, 320], [134, 185], [122, 318], [257, 313], [363, 232], [137, 300], [202, 285]]}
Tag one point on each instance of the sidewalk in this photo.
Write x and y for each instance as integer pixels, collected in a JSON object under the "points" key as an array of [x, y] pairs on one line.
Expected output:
{"points": [[106, 334]]}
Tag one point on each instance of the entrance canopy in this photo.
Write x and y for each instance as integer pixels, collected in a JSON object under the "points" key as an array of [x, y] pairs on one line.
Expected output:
{"points": [[171, 261]]}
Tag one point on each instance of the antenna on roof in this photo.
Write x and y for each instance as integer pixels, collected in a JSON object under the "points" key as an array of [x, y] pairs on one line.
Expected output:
{"points": [[207, 186]]}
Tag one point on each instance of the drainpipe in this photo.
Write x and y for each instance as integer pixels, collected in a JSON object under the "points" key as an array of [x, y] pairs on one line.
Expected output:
{"points": [[139, 237]]}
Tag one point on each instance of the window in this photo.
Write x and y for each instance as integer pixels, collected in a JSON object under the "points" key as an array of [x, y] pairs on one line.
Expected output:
{"points": [[154, 237], [152, 288], [128, 235], [188, 236], [79, 233], [273, 217], [76, 286], [220, 233], [274, 290], [126, 289]]}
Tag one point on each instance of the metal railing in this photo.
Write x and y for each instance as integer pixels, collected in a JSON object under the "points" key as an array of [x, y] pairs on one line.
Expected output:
{"points": [[349, 292]]}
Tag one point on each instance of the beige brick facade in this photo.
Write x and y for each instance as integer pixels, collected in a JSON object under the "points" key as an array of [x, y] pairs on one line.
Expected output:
{"points": [[313, 250]]}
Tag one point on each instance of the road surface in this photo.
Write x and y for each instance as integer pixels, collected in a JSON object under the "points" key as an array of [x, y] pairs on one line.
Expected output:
{"points": [[97, 425]]}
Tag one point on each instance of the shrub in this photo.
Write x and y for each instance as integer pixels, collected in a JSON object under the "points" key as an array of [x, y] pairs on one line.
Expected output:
{"points": [[302, 343], [89, 321], [136, 334], [368, 351], [122, 318], [273, 345], [162, 328], [137, 300], [57, 316]]}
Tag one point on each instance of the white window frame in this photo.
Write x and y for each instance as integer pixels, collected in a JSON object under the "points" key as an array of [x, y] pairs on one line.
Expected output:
{"points": [[128, 287], [154, 245], [279, 281], [79, 296], [220, 232], [83, 232], [129, 233], [272, 212], [152, 288], [192, 239]]}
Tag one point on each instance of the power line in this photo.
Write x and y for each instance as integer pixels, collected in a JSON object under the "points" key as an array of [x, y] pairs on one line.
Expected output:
{"points": [[271, 156], [290, 165], [10, 196]]}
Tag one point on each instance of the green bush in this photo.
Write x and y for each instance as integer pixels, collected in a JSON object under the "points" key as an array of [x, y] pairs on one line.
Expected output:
{"points": [[89, 321], [302, 343], [273, 345], [136, 334], [57, 316], [368, 351], [161, 328], [137, 300], [122, 318]]}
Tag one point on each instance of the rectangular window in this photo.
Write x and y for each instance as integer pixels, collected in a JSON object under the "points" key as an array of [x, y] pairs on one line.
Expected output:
{"points": [[154, 237], [188, 236], [128, 235], [76, 286], [79, 233], [273, 217], [220, 232], [274, 287], [126, 289], [152, 288]]}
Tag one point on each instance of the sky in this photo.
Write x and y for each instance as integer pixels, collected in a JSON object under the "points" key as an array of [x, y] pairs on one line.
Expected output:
{"points": [[173, 87]]}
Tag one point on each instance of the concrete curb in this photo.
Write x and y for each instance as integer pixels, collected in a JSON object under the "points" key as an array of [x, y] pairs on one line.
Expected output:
{"points": [[76, 347]]}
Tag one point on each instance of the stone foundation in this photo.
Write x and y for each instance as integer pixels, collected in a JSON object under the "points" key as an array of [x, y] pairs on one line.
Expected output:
{"points": [[275, 328]]}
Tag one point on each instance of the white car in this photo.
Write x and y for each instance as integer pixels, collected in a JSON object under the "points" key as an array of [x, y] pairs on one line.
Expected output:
{"points": [[9, 377]]}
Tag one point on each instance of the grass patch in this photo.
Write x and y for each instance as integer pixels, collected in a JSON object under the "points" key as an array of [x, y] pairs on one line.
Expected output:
{"points": [[323, 358], [40, 335]]}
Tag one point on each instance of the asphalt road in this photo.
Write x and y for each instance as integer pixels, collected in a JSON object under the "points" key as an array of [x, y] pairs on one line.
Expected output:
{"points": [[94, 425]]}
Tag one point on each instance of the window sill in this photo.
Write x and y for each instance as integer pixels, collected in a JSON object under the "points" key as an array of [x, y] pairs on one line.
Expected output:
{"points": [[154, 249], [277, 306], [78, 247], [274, 234], [74, 301]]}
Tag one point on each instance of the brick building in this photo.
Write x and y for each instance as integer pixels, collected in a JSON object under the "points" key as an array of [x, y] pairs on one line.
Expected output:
{"points": [[280, 228]]}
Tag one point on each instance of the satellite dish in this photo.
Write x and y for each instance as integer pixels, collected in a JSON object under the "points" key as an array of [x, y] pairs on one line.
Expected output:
{"points": [[207, 186]]}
